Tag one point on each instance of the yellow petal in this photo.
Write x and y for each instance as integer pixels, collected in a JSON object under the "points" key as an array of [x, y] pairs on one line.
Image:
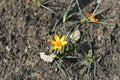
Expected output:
{"points": [[59, 47], [64, 43], [52, 42], [62, 38], [54, 47], [56, 37]]}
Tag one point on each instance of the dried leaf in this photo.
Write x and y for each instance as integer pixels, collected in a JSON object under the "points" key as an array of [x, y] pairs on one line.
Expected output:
{"points": [[75, 36], [47, 58], [99, 1]]}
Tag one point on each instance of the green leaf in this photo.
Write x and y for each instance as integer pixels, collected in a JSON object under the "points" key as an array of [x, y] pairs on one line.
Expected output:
{"points": [[39, 2]]}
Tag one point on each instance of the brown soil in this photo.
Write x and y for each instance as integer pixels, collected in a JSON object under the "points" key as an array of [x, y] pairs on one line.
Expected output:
{"points": [[23, 30]]}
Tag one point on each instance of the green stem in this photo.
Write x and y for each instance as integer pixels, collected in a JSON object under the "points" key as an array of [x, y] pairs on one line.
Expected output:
{"points": [[80, 10]]}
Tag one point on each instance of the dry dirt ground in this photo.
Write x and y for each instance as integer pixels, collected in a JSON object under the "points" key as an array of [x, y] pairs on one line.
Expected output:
{"points": [[23, 30]]}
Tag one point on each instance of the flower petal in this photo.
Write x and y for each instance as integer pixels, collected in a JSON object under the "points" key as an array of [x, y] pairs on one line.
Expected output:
{"points": [[56, 37], [89, 15], [62, 38], [52, 42], [54, 47], [94, 20], [59, 47], [64, 43]]}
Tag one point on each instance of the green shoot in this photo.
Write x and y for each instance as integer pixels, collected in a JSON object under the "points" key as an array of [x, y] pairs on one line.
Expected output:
{"points": [[66, 14], [41, 3]]}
